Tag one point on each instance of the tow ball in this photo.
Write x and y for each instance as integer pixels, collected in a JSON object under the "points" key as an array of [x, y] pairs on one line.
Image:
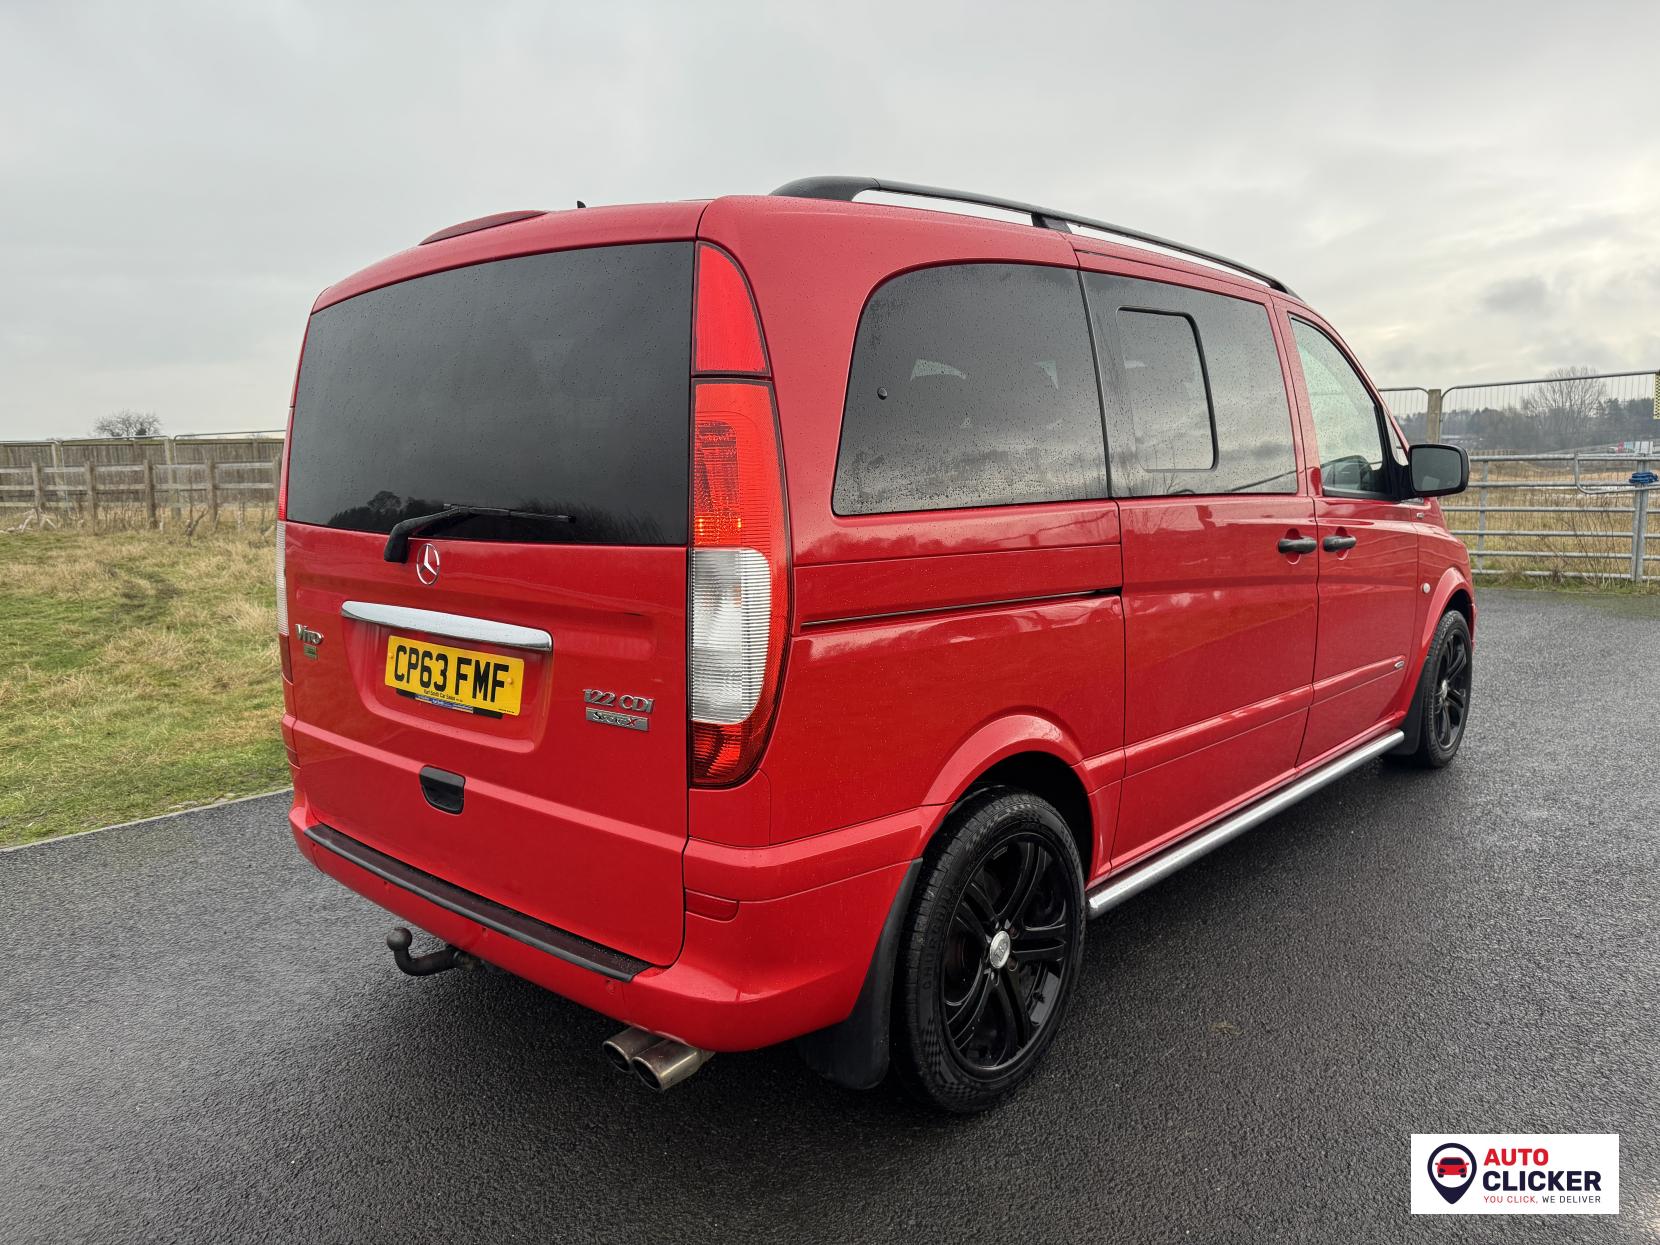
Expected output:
{"points": [[424, 965]]}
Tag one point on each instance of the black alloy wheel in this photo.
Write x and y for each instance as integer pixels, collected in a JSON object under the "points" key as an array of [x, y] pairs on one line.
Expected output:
{"points": [[992, 951], [1442, 701], [1006, 956], [1452, 691]]}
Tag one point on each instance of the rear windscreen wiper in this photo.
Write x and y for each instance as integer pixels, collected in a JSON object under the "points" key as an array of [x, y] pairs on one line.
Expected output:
{"points": [[397, 541]]}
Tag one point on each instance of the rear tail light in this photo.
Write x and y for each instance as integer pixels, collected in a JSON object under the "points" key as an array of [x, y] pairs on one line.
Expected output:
{"points": [[282, 525], [731, 621], [282, 578], [740, 577], [740, 538], [282, 601], [288, 437], [728, 338]]}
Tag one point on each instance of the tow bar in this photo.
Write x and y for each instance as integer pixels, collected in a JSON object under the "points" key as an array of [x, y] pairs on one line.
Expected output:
{"points": [[425, 965]]}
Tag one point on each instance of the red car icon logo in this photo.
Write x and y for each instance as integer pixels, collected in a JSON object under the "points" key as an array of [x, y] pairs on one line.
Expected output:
{"points": [[1451, 1166]]}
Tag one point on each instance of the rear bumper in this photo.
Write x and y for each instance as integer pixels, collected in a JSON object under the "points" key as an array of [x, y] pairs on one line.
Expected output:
{"points": [[786, 964]]}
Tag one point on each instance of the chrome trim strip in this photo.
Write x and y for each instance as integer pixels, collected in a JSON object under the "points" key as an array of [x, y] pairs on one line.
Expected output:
{"points": [[962, 607], [451, 626], [1139, 877]]}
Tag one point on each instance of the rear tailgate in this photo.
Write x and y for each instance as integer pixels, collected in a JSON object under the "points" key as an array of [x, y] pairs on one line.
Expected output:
{"points": [[541, 661]]}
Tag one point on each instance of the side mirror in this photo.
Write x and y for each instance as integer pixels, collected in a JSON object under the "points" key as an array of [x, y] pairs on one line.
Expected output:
{"points": [[1437, 470]]}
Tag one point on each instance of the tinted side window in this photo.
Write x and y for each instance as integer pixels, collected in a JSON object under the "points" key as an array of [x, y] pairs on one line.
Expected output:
{"points": [[1169, 400], [1346, 420], [1226, 429], [971, 385]]}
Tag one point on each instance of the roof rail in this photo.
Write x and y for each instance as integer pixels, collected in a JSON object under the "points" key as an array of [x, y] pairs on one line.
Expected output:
{"points": [[847, 189]]}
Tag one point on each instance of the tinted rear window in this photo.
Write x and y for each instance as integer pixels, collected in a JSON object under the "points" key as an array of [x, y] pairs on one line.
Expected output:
{"points": [[971, 385], [553, 383]]}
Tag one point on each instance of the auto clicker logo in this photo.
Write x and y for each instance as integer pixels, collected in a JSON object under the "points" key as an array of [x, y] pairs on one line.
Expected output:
{"points": [[1515, 1174], [1452, 1170]]}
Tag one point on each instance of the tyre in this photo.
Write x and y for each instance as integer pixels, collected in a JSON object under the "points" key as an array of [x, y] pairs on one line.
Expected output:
{"points": [[1442, 701], [991, 952]]}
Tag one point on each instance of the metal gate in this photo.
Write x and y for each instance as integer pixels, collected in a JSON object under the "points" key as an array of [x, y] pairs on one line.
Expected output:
{"points": [[1562, 469]]}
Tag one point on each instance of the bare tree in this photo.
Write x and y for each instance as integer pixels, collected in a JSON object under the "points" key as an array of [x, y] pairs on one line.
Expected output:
{"points": [[1567, 404], [128, 424]]}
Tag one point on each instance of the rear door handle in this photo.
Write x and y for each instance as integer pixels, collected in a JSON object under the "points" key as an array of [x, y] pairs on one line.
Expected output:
{"points": [[1335, 544], [1296, 544]]}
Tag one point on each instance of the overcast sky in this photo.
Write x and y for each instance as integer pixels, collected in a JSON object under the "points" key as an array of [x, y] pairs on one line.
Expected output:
{"points": [[1469, 191]]}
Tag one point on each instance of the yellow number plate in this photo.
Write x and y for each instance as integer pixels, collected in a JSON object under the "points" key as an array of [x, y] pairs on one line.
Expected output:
{"points": [[458, 677]]}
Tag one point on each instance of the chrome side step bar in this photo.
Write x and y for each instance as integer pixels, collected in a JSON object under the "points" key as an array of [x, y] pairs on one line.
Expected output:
{"points": [[1115, 890]]}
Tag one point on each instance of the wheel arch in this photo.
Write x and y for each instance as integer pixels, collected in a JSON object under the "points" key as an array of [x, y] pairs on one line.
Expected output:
{"points": [[1048, 777], [1462, 600], [1452, 594], [1026, 751]]}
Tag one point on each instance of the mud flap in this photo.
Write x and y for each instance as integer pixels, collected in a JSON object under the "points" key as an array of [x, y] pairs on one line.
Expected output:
{"points": [[854, 1053], [1413, 725]]}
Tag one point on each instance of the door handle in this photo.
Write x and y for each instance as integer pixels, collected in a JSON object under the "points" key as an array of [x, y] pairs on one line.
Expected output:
{"points": [[1335, 544], [1296, 544]]}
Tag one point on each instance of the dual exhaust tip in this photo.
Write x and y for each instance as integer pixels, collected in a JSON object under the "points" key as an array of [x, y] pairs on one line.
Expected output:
{"points": [[661, 1062]]}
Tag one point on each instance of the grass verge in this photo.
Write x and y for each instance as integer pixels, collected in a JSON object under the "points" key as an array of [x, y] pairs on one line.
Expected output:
{"points": [[138, 675], [1552, 582]]}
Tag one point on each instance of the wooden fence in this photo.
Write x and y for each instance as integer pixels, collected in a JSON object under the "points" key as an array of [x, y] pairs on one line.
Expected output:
{"points": [[162, 484], [263, 447]]}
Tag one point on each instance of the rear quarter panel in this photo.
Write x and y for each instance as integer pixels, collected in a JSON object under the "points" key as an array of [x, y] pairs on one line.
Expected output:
{"points": [[874, 712], [912, 633]]}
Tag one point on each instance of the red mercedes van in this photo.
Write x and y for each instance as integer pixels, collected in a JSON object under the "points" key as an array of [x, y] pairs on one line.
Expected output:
{"points": [[791, 617]]}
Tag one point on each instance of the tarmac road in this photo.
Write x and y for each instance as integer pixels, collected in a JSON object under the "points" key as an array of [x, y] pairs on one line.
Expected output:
{"points": [[201, 1039]]}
